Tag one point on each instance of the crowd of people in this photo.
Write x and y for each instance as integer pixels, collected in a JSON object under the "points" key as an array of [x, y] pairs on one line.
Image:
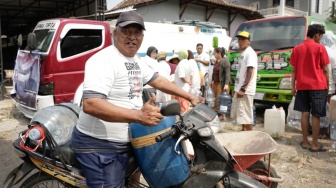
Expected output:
{"points": [[115, 78]]}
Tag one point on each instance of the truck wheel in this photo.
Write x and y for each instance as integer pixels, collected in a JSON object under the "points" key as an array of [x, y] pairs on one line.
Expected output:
{"points": [[260, 168], [41, 179]]}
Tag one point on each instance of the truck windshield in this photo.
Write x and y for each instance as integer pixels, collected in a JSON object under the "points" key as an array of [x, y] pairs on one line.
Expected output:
{"points": [[44, 38], [275, 34]]}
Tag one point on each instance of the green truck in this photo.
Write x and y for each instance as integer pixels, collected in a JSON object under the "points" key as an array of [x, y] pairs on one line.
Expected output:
{"points": [[273, 39]]}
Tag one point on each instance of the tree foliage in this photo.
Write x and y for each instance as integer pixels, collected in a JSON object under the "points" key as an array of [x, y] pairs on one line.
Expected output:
{"points": [[332, 17]]}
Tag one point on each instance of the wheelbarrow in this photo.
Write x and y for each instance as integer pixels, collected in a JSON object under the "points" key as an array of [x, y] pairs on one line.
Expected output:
{"points": [[247, 148]]}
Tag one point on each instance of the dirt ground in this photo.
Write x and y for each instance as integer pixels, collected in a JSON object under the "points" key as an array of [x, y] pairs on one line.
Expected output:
{"points": [[299, 167]]}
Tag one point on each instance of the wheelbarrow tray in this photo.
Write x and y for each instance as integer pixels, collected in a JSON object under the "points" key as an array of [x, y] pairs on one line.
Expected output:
{"points": [[247, 147]]}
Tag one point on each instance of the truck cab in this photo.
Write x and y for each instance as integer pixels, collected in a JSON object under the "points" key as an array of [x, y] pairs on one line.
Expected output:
{"points": [[59, 49]]}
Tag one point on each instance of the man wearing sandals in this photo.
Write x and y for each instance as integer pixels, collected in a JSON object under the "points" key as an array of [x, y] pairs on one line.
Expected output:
{"points": [[310, 78]]}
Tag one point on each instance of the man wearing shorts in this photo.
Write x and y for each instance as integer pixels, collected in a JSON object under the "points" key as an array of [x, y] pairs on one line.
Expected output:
{"points": [[245, 84], [310, 78]]}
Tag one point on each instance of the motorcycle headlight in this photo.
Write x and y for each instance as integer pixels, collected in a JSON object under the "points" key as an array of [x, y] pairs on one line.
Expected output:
{"points": [[214, 124], [205, 132], [286, 83], [212, 128]]}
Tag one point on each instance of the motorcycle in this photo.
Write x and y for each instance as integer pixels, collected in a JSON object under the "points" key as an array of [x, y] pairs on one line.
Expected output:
{"points": [[208, 163]]}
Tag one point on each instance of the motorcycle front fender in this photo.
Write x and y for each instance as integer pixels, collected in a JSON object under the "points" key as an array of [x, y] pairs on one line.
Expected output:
{"points": [[17, 174]]}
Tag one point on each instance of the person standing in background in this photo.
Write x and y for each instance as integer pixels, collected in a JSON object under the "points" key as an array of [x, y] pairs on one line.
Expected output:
{"points": [[245, 83], [163, 70], [202, 59], [150, 57], [172, 62], [220, 76], [150, 60], [203, 62], [310, 80], [329, 41], [183, 74], [196, 78]]}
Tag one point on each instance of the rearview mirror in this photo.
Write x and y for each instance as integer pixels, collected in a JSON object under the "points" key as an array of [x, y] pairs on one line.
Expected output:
{"points": [[19, 41], [170, 108], [31, 41]]}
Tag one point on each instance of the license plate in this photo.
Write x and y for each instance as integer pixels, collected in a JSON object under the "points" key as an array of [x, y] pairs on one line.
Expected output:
{"points": [[259, 96]]}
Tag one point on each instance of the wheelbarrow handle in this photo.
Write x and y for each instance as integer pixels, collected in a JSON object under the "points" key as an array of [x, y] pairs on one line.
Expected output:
{"points": [[262, 177]]}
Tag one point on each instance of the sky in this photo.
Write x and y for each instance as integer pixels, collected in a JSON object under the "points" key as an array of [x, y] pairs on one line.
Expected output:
{"points": [[112, 3]]}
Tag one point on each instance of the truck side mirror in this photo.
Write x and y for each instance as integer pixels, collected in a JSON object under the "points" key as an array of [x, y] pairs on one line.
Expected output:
{"points": [[19, 41], [31, 41]]}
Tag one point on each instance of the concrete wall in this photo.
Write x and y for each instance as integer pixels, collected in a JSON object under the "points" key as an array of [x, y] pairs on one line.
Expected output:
{"points": [[170, 11], [302, 5]]}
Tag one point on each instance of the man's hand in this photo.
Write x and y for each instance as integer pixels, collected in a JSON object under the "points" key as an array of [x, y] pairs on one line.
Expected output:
{"points": [[195, 100], [149, 114], [240, 94], [293, 91]]}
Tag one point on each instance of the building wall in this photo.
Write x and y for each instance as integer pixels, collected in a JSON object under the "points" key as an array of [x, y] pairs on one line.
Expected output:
{"points": [[323, 11], [167, 11], [302, 5]]}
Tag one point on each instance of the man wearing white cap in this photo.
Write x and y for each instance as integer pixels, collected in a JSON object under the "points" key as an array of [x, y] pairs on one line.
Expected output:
{"points": [[245, 83]]}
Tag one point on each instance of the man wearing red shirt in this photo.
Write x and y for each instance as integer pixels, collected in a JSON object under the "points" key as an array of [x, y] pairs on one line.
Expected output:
{"points": [[310, 78]]}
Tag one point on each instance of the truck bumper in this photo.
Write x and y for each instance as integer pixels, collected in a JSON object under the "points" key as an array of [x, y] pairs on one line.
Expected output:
{"points": [[42, 102], [273, 95]]}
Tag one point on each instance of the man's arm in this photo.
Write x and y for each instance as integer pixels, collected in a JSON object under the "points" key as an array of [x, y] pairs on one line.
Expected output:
{"points": [[204, 62], [293, 81], [102, 109], [326, 74], [248, 76]]}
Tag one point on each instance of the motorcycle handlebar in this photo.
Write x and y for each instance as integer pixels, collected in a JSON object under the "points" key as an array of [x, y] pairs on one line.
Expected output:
{"points": [[166, 135]]}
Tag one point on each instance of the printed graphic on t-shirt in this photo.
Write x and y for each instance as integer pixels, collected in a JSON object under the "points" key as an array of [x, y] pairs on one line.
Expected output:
{"points": [[240, 61], [135, 80]]}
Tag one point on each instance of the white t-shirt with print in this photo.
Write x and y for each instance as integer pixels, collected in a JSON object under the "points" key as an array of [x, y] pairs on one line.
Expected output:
{"points": [[121, 79], [204, 57], [248, 58], [183, 70]]}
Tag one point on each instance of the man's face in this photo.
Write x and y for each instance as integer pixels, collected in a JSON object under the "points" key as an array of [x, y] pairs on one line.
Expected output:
{"points": [[128, 39], [199, 49], [243, 43]]}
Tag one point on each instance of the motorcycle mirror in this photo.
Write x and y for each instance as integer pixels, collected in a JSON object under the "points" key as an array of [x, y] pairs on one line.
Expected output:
{"points": [[170, 108], [19, 41], [31, 41]]}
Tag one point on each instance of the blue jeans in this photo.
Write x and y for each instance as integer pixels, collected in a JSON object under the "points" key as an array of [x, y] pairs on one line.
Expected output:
{"points": [[104, 169]]}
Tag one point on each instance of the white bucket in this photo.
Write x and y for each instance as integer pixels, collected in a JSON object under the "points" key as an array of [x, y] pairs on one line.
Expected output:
{"points": [[274, 122]]}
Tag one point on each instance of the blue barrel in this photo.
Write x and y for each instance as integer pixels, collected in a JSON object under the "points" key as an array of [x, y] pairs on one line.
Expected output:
{"points": [[158, 162], [224, 104]]}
